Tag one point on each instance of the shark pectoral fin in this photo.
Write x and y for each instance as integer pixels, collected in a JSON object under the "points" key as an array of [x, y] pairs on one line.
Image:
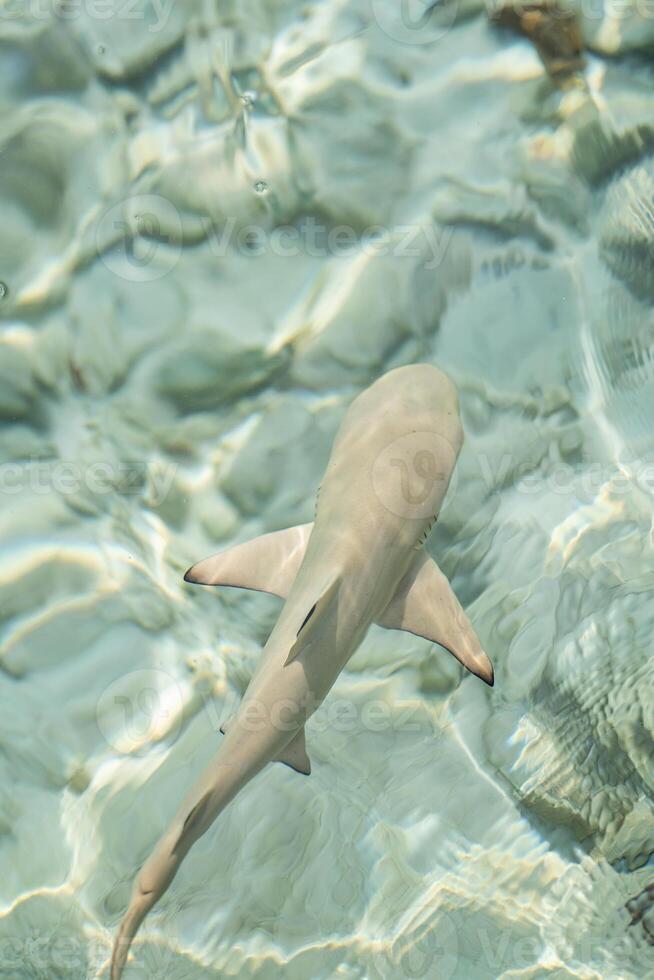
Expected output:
{"points": [[265, 564], [295, 754], [425, 604], [313, 619]]}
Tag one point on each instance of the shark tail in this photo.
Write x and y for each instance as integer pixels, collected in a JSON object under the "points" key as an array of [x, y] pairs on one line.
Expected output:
{"points": [[139, 906], [216, 787], [156, 875]]}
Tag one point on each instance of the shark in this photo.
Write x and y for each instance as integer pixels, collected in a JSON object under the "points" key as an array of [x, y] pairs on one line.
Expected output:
{"points": [[361, 561]]}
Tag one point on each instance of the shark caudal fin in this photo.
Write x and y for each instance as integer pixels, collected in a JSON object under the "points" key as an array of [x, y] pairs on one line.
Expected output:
{"points": [[206, 801], [425, 604], [265, 564], [139, 907]]}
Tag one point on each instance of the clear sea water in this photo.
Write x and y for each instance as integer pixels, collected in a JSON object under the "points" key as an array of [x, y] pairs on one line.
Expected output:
{"points": [[219, 222]]}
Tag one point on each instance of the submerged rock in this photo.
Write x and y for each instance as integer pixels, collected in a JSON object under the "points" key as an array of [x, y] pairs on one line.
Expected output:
{"points": [[626, 231], [17, 385], [554, 31], [210, 368], [641, 909], [612, 28]]}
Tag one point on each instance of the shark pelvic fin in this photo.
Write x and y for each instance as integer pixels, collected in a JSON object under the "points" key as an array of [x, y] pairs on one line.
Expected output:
{"points": [[294, 754], [425, 604], [266, 564], [313, 619]]}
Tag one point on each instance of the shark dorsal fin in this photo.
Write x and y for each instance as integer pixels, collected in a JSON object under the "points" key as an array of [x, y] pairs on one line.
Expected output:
{"points": [[425, 604], [313, 620], [266, 564]]}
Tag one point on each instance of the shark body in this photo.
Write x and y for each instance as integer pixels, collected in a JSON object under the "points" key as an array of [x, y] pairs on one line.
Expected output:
{"points": [[360, 561]]}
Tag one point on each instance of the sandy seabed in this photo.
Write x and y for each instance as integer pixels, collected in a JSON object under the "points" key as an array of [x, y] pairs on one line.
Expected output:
{"points": [[219, 222]]}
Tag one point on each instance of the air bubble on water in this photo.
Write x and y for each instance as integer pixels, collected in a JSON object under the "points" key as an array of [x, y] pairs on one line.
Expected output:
{"points": [[261, 186], [101, 49], [4, 290]]}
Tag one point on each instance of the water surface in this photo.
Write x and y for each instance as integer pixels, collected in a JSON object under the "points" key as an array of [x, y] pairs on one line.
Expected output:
{"points": [[219, 223]]}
